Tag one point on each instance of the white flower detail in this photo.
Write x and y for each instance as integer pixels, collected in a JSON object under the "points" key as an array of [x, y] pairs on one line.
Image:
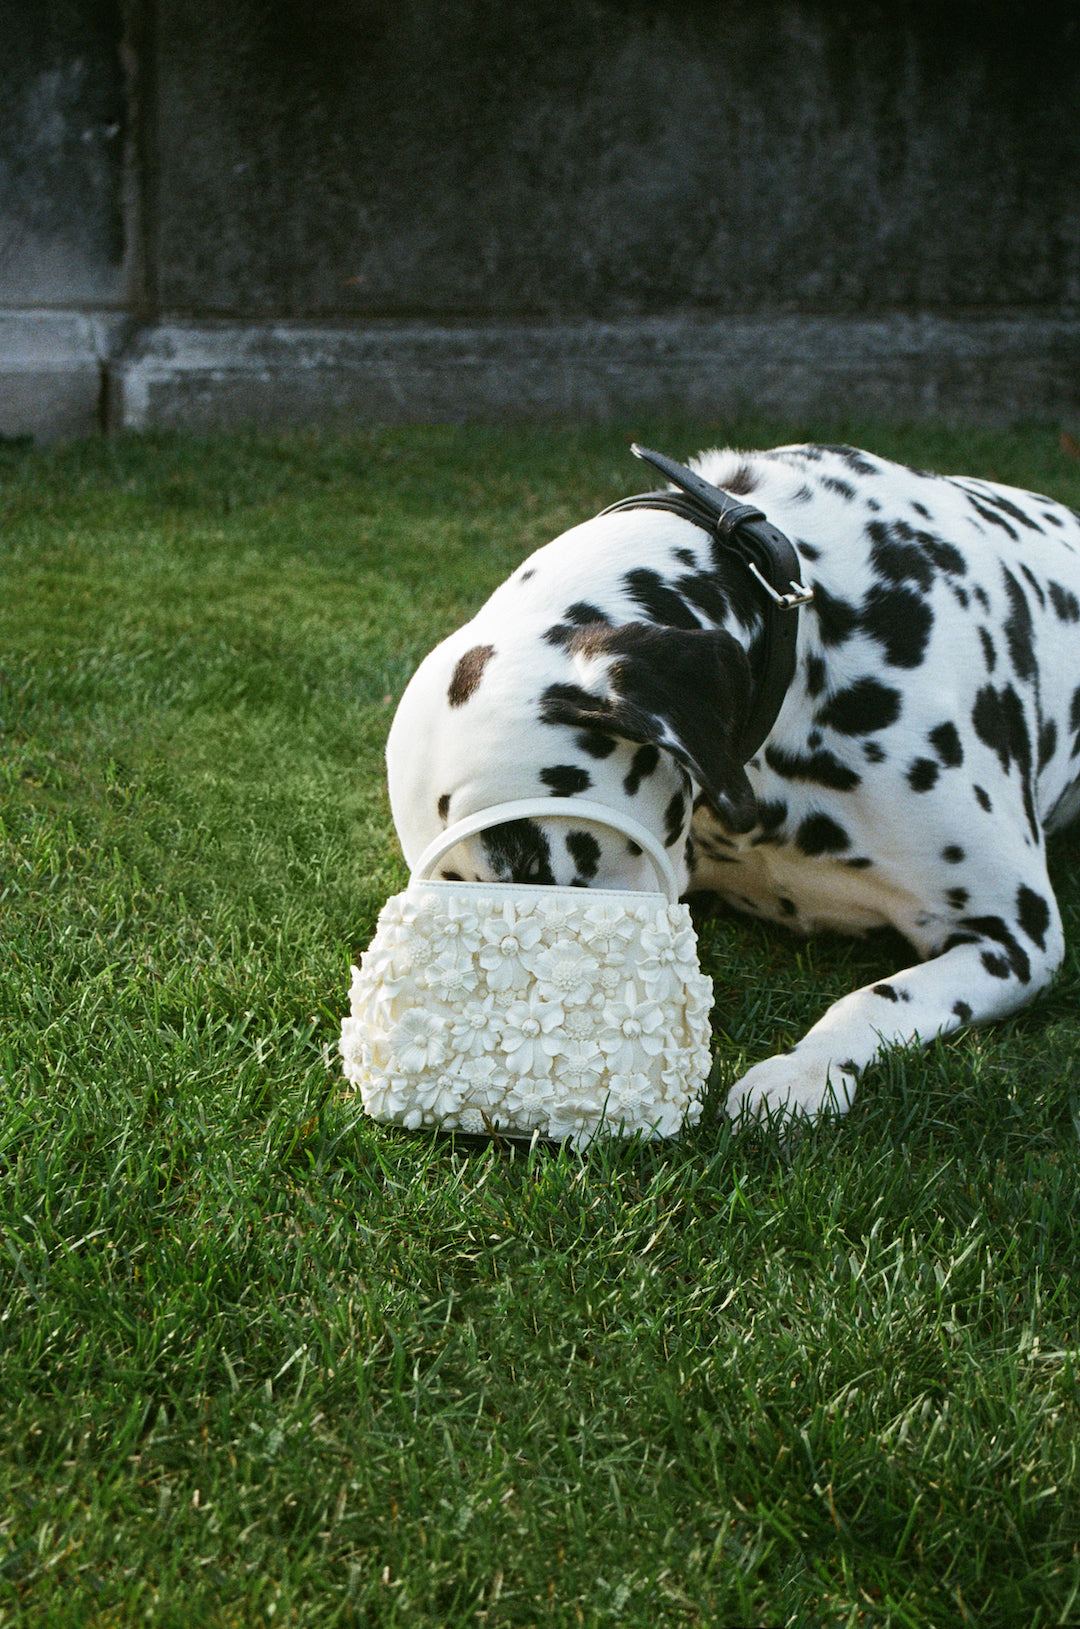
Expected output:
{"points": [[580, 1024], [529, 1099], [634, 1027], [530, 1035], [419, 1040], [459, 922], [438, 1095], [421, 917], [452, 976], [505, 940], [565, 973], [631, 1096], [483, 1082], [581, 1068], [557, 916], [476, 1029], [608, 930]]}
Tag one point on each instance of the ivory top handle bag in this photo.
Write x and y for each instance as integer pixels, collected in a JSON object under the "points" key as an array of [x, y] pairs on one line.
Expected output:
{"points": [[567, 1013]]}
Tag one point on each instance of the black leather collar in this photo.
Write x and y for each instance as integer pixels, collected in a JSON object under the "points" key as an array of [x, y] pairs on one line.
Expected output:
{"points": [[769, 558]]}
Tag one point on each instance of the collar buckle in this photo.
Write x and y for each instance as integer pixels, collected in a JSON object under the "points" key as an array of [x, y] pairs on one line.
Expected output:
{"points": [[800, 594]]}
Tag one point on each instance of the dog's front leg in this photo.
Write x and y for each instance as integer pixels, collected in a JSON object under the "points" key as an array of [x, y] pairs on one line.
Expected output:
{"points": [[983, 978]]}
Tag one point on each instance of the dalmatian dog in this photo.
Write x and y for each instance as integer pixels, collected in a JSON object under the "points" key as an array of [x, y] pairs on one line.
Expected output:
{"points": [[924, 738]]}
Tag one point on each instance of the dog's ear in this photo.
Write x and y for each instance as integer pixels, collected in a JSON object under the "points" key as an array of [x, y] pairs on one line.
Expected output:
{"points": [[685, 691]]}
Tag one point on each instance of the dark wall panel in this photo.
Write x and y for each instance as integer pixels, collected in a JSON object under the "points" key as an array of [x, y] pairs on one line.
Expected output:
{"points": [[61, 153], [464, 158]]}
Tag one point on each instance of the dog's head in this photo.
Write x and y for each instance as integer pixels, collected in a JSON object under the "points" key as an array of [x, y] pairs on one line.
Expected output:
{"points": [[636, 716]]}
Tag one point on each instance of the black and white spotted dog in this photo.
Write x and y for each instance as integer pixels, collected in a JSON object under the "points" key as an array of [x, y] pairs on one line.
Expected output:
{"points": [[928, 739]]}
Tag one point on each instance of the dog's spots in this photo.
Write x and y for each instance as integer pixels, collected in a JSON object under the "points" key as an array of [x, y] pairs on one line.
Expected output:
{"points": [[947, 558], [674, 819], [451, 876], [743, 482], [856, 461], [897, 617], [921, 509], [843, 489], [1018, 628], [1033, 914], [953, 854], [896, 556], [468, 673], [772, 813], [989, 653], [886, 991], [957, 898], [1074, 718], [582, 612], [584, 850], [874, 752], [557, 697], [1047, 742], [962, 1011], [922, 774], [642, 765], [579, 615], [1065, 603], [596, 743], [523, 576], [820, 834], [837, 619], [945, 740], [444, 806], [982, 798], [818, 768], [566, 779], [702, 591], [658, 599], [1017, 960], [998, 718], [802, 494], [860, 709], [994, 519], [997, 500], [518, 851], [1034, 584], [901, 622], [815, 675]]}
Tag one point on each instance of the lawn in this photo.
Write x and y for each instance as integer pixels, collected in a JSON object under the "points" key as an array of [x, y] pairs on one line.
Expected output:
{"points": [[262, 1363]]}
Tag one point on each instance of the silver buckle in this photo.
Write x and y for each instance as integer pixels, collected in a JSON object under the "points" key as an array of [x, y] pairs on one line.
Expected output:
{"points": [[800, 594]]}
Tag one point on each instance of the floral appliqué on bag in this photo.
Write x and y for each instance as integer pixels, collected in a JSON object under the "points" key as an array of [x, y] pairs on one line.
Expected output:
{"points": [[474, 1010]]}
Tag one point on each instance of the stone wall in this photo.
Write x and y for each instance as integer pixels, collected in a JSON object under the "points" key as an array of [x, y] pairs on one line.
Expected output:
{"points": [[364, 209]]}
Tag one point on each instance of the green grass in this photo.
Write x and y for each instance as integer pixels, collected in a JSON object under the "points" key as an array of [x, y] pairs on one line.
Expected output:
{"points": [[261, 1363]]}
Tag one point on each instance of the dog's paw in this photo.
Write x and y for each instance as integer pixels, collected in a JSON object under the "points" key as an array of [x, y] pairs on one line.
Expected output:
{"points": [[793, 1086]]}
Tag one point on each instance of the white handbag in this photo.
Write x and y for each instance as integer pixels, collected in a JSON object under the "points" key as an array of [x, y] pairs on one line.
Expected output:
{"points": [[566, 1013]]}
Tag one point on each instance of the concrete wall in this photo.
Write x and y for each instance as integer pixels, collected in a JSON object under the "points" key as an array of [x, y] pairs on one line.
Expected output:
{"points": [[369, 209]]}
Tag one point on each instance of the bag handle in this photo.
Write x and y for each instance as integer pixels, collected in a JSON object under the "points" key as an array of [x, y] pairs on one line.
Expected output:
{"points": [[558, 808]]}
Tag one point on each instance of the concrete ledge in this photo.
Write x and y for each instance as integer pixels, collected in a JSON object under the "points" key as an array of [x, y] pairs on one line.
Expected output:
{"points": [[52, 371], [986, 369]]}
